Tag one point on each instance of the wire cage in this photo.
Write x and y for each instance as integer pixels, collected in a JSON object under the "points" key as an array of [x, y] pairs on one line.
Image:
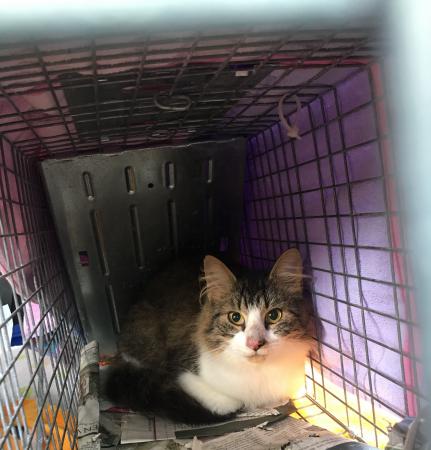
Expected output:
{"points": [[332, 194]]}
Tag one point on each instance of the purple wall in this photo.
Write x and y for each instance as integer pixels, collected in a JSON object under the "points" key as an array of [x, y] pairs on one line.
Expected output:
{"points": [[331, 194]]}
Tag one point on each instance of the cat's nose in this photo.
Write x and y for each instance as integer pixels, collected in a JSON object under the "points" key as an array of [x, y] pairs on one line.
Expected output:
{"points": [[254, 344]]}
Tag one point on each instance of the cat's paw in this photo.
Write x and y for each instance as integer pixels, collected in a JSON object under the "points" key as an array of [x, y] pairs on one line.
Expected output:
{"points": [[222, 405], [214, 401]]}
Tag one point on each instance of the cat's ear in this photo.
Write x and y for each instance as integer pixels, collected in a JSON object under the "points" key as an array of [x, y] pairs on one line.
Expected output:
{"points": [[218, 279], [287, 271]]}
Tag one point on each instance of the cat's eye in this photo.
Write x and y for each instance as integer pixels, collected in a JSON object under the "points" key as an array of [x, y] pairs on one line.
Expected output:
{"points": [[274, 315], [236, 318]]}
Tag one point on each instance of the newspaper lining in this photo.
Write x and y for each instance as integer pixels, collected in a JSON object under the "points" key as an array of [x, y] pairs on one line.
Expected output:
{"points": [[137, 428], [88, 409], [290, 433], [257, 430]]}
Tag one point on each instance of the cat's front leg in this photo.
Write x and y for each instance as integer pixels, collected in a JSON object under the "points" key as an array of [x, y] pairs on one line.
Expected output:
{"points": [[213, 400]]}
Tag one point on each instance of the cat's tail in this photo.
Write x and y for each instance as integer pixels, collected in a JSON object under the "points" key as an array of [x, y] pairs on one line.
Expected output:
{"points": [[150, 391]]}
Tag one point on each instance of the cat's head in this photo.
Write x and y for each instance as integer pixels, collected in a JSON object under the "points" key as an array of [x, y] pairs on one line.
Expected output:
{"points": [[252, 318]]}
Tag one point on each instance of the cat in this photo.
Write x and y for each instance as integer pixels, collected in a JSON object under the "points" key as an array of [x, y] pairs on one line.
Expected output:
{"points": [[200, 356]]}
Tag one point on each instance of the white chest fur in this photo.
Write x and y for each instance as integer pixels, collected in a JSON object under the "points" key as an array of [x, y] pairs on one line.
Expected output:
{"points": [[256, 384]]}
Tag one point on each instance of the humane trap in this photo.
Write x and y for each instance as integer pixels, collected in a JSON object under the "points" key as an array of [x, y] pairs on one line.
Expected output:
{"points": [[119, 152]]}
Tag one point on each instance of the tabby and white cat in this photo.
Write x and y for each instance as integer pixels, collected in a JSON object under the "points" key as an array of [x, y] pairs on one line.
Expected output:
{"points": [[200, 358]]}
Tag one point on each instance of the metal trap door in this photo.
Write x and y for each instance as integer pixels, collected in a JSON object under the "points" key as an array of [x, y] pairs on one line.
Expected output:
{"points": [[119, 216]]}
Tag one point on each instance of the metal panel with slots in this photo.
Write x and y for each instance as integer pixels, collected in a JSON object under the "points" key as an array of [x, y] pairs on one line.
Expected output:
{"points": [[120, 215]]}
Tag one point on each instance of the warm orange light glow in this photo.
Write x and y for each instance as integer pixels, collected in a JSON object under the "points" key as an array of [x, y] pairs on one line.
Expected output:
{"points": [[333, 398]]}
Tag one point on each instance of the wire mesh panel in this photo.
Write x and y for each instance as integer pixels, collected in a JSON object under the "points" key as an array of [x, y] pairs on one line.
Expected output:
{"points": [[126, 91], [332, 194], [39, 331]]}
